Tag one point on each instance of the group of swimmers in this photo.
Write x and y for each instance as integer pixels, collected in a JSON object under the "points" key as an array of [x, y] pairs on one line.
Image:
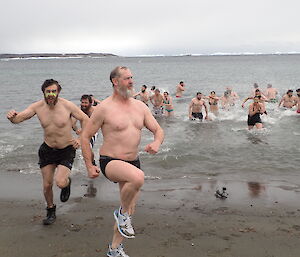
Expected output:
{"points": [[163, 103], [120, 118]]}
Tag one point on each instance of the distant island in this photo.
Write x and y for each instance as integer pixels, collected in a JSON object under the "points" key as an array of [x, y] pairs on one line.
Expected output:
{"points": [[53, 55]]}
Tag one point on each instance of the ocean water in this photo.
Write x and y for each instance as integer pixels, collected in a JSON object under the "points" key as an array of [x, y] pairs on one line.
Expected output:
{"points": [[221, 149]]}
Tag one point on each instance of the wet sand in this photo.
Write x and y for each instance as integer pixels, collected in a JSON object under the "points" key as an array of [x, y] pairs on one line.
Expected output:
{"points": [[260, 220]]}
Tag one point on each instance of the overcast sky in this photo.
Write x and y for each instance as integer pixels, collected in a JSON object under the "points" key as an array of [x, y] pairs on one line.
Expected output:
{"points": [[139, 27]]}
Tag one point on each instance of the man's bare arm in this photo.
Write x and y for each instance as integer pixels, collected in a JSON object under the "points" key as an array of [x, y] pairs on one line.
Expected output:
{"points": [[151, 124], [281, 101], [16, 117], [206, 110], [190, 109], [93, 125]]}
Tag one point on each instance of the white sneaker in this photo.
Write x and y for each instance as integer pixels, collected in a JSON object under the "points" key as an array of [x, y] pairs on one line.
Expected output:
{"points": [[124, 224], [118, 252]]}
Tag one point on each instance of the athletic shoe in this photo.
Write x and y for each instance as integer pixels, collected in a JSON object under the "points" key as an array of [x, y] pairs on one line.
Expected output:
{"points": [[65, 192], [118, 252], [124, 224]]}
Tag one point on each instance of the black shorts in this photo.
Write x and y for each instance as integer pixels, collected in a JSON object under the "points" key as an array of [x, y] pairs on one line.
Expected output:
{"points": [[252, 120], [49, 155], [197, 115], [104, 160]]}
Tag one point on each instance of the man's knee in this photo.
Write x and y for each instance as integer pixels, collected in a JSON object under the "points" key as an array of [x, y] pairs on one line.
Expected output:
{"points": [[47, 186], [61, 182], [138, 179]]}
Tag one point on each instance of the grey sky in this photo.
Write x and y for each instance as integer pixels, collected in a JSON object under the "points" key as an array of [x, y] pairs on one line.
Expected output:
{"points": [[138, 27]]}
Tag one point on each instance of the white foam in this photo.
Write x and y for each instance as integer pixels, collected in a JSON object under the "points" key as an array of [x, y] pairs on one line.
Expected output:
{"points": [[152, 177], [6, 149]]}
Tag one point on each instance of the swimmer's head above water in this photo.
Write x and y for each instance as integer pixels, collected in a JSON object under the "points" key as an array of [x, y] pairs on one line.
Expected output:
{"points": [[290, 92]]}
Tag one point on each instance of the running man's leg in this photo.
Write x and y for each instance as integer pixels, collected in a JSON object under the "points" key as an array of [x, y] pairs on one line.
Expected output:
{"points": [[62, 176], [48, 174], [130, 180], [63, 181]]}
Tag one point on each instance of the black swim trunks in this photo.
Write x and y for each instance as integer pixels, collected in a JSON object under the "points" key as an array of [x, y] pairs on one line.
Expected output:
{"points": [[104, 160], [197, 115], [49, 155], [252, 120]]}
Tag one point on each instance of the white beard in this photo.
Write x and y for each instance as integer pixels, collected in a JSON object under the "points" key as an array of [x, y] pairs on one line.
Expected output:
{"points": [[127, 93]]}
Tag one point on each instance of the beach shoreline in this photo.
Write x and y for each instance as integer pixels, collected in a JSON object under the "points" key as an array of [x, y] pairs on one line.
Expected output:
{"points": [[170, 221]]}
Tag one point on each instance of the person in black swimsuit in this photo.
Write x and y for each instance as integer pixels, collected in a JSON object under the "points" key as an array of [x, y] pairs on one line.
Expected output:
{"points": [[255, 110], [121, 119]]}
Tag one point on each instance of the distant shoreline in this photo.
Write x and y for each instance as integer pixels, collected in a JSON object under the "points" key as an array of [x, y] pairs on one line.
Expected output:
{"points": [[55, 55], [99, 55]]}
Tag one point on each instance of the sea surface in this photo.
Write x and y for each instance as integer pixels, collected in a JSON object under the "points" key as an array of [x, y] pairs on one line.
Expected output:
{"points": [[218, 150]]}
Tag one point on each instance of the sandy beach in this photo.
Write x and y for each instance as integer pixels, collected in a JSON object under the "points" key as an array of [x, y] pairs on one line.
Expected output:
{"points": [[170, 221]]}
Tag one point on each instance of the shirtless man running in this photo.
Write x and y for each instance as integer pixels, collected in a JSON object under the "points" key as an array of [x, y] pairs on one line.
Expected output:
{"points": [[121, 119], [255, 110], [179, 89], [144, 96], [58, 150], [195, 108], [86, 105], [157, 101], [288, 100]]}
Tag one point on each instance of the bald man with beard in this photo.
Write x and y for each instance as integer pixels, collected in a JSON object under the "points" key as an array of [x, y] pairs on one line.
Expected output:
{"points": [[121, 119]]}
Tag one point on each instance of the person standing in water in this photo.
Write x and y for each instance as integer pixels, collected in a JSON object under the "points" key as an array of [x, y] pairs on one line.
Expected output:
{"points": [[168, 103], [179, 89], [143, 94], [121, 119], [271, 94], [158, 102], [288, 100], [213, 103], [57, 153], [195, 108], [255, 110], [258, 94]]}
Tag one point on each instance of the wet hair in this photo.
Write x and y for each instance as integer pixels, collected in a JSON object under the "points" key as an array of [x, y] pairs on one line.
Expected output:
{"points": [[212, 92], [144, 86], [198, 93], [290, 91], [166, 93], [257, 90], [153, 88], [115, 73], [50, 82], [181, 82], [298, 90], [84, 97]]}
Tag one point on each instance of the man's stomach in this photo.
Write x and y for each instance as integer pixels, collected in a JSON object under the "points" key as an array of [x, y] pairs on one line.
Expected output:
{"points": [[58, 142], [127, 152]]}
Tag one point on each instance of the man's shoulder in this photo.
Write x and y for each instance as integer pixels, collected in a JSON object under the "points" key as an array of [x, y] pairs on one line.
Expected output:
{"points": [[38, 104], [137, 102]]}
